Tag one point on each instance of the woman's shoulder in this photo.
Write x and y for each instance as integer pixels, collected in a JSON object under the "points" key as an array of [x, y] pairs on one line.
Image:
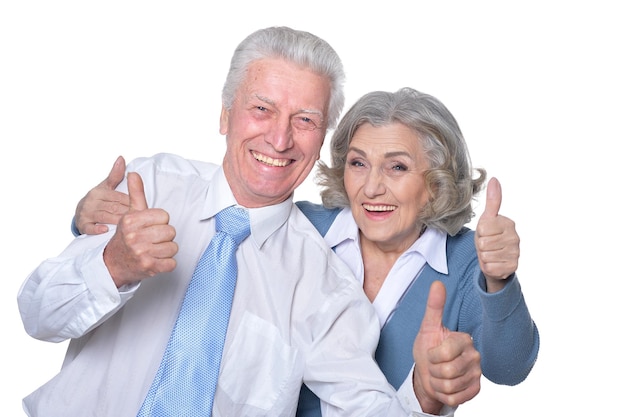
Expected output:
{"points": [[460, 249], [321, 217]]}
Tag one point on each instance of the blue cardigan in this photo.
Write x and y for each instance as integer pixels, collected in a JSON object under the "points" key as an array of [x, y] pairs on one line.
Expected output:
{"points": [[500, 323]]}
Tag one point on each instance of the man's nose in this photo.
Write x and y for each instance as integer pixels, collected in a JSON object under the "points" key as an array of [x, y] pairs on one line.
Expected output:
{"points": [[281, 135]]}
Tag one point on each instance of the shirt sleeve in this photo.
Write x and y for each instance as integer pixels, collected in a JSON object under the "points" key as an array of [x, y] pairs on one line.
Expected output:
{"points": [[406, 397], [66, 296], [342, 371]]}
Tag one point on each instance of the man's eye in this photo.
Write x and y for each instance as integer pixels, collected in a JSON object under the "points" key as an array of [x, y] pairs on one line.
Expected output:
{"points": [[304, 123]]}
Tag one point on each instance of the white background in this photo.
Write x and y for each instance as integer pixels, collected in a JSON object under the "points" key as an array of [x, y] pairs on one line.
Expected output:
{"points": [[537, 87]]}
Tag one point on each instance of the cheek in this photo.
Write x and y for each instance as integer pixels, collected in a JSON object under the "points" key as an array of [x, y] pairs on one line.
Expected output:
{"points": [[410, 190], [312, 145], [350, 184], [420, 195]]}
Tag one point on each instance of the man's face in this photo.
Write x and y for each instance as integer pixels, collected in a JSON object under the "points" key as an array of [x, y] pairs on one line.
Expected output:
{"points": [[274, 131]]}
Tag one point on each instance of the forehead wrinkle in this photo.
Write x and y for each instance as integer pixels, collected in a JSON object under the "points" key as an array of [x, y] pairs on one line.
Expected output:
{"points": [[387, 154], [396, 153], [357, 150]]}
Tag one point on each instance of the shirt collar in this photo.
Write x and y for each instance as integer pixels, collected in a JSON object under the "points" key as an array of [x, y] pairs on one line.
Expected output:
{"points": [[343, 228], [263, 220], [431, 245]]}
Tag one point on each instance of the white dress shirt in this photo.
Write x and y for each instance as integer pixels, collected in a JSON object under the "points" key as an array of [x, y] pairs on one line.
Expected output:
{"points": [[343, 235], [430, 248], [298, 314]]}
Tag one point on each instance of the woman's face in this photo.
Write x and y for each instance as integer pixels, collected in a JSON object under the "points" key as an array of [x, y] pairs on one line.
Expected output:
{"points": [[384, 180]]}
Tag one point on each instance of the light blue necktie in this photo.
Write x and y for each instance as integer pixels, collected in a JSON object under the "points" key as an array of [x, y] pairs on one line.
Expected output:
{"points": [[185, 382]]}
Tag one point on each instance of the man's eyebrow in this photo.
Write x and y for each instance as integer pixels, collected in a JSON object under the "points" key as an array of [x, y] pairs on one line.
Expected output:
{"points": [[264, 99], [273, 103], [310, 111]]}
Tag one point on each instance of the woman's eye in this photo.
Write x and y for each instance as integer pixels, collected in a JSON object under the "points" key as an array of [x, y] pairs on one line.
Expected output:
{"points": [[355, 163]]}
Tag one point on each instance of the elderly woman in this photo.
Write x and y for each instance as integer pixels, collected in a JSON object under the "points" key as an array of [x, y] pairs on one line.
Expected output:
{"points": [[396, 198]]}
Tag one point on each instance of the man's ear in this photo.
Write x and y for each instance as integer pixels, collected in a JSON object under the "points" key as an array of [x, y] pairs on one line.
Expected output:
{"points": [[224, 121]]}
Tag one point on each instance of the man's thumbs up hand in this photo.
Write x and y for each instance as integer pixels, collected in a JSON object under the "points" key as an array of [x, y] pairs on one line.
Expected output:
{"points": [[143, 244]]}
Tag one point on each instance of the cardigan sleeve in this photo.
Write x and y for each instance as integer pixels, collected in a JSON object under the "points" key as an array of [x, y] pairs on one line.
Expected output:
{"points": [[500, 323], [510, 339]]}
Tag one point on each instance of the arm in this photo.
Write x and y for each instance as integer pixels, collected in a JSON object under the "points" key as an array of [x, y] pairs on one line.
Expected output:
{"points": [[509, 342], [68, 295], [447, 365], [509, 339], [447, 371]]}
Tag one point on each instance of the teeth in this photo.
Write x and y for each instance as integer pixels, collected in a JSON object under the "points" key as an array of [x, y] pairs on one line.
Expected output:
{"points": [[370, 207], [271, 161]]}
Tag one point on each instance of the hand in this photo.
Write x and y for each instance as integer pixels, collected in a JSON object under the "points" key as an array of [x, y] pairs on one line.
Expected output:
{"points": [[102, 204], [447, 365], [497, 242], [143, 244]]}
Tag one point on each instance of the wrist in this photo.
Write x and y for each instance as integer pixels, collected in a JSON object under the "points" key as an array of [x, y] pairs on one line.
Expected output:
{"points": [[427, 403], [496, 284]]}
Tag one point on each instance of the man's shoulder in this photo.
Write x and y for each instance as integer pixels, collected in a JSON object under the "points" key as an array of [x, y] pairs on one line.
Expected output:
{"points": [[313, 242], [304, 233], [326, 272], [175, 164]]}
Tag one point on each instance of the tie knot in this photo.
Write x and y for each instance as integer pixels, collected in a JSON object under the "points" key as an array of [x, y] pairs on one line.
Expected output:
{"points": [[234, 221]]}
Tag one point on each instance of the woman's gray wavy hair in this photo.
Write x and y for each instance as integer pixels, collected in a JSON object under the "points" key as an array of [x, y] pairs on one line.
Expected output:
{"points": [[449, 178], [299, 47]]}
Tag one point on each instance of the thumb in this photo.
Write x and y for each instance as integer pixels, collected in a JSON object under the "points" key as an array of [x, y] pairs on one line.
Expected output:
{"points": [[135, 192], [433, 316], [116, 175], [494, 198]]}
